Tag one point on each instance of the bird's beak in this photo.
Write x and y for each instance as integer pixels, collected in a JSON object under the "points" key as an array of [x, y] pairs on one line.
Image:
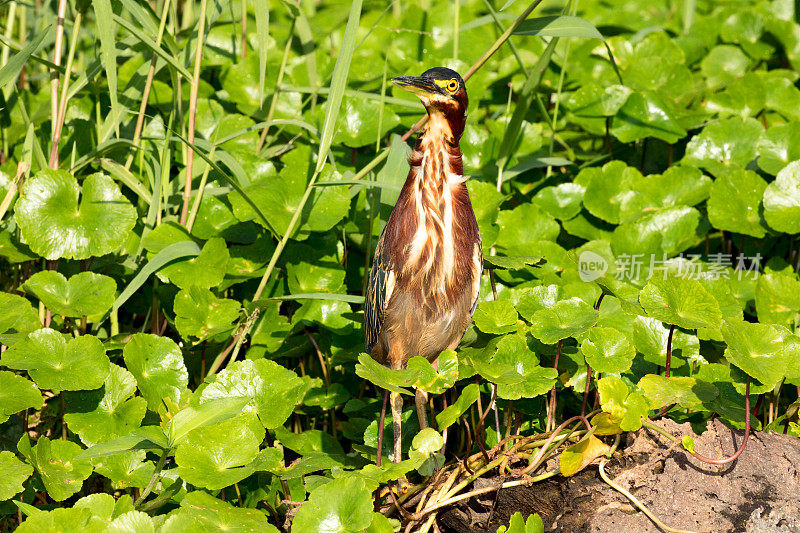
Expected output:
{"points": [[423, 87]]}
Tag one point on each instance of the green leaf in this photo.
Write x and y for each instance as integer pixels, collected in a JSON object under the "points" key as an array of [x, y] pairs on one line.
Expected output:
{"points": [[449, 415], [495, 317], [644, 115], [558, 26], [514, 262], [435, 381], [219, 455], [777, 297], [680, 301], [688, 443], [17, 394], [782, 200], [200, 511], [157, 364], [562, 201], [342, 505], [54, 224], [650, 337], [688, 392], [674, 229], [522, 227], [143, 438], [261, 11], [517, 524], [269, 389], [208, 413], [744, 97], [522, 376], [566, 318], [779, 146], [678, 186], [386, 378], [54, 363], [767, 352], [537, 298], [85, 293], [724, 145], [17, 319], [608, 350], [15, 472], [735, 202], [200, 314], [723, 64], [580, 455], [610, 192], [110, 414], [206, 270], [61, 472], [57, 520], [626, 407]]}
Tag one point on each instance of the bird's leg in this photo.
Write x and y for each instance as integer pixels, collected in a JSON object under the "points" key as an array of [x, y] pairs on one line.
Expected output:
{"points": [[397, 411], [380, 427], [421, 399]]}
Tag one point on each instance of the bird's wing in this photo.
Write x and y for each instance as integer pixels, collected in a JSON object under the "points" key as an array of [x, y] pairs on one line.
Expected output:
{"points": [[381, 284]]}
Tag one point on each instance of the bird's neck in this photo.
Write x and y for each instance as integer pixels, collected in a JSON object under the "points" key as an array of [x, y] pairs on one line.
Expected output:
{"points": [[434, 180]]}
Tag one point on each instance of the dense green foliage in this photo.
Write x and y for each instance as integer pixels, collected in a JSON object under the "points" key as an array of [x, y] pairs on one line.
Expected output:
{"points": [[174, 363]]}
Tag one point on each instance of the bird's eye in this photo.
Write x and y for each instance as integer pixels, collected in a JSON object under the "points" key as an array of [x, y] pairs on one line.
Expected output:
{"points": [[452, 85]]}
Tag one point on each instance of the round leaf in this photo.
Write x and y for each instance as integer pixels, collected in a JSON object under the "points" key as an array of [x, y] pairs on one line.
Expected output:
{"points": [[778, 146], [566, 318], [85, 293], [16, 394], [157, 364], [17, 319], [682, 302], [200, 314], [782, 200], [767, 352], [15, 472], [735, 201], [723, 145], [54, 363], [342, 505], [495, 317], [61, 473], [55, 224], [608, 350]]}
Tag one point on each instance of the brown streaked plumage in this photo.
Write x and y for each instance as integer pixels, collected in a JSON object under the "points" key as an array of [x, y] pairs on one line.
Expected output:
{"points": [[425, 276]]}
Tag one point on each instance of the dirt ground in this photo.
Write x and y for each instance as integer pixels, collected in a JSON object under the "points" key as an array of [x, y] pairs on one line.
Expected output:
{"points": [[758, 493]]}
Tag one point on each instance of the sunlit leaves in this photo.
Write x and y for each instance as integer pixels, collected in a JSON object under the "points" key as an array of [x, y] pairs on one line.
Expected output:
{"points": [[782, 200], [109, 414], [449, 415], [17, 319], [680, 301], [625, 406], [200, 511], [58, 364], [779, 146], [157, 364], [495, 317], [55, 224], [723, 64], [216, 456], [343, 504], [726, 144], [579, 455], [85, 293], [646, 115], [610, 193], [688, 392], [735, 202], [16, 394], [269, 389], [15, 472], [608, 350], [198, 313], [764, 351], [522, 226], [566, 318], [59, 470]]}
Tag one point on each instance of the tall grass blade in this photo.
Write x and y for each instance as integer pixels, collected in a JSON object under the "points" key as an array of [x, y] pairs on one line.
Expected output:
{"points": [[12, 69], [262, 35], [559, 26], [108, 51], [166, 255], [148, 42]]}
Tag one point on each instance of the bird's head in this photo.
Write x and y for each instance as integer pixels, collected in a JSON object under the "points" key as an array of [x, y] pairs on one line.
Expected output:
{"points": [[440, 89]]}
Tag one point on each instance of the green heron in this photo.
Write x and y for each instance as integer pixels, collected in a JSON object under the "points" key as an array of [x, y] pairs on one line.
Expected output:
{"points": [[425, 276]]}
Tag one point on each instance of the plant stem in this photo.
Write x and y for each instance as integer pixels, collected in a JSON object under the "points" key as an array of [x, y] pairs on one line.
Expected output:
{"points": [[669, 351], [551, 411], [187, 191], [62, 9], [146, 492]]}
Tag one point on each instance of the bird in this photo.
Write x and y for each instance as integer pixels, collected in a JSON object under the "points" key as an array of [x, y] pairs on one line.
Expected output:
{"points": [[425, 276]]}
